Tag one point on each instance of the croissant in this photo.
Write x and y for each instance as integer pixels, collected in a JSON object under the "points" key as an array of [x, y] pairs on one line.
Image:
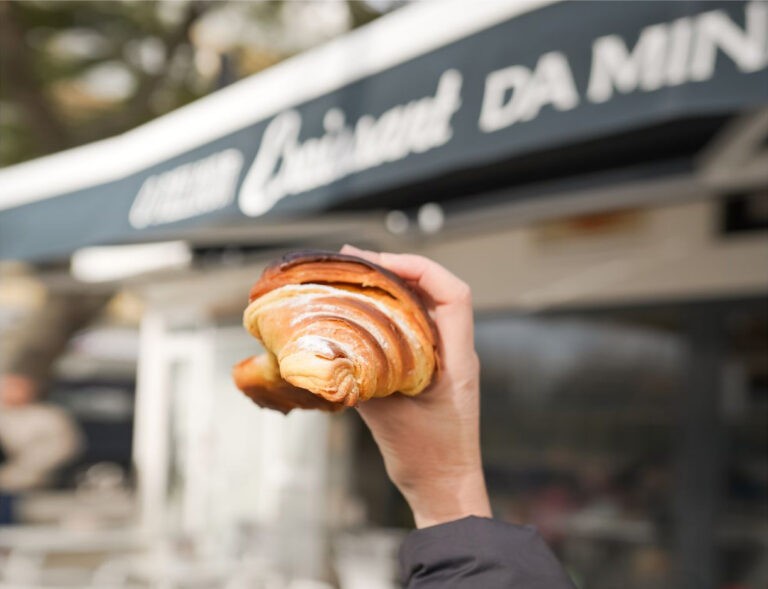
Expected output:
{"points": [[337, 330]]}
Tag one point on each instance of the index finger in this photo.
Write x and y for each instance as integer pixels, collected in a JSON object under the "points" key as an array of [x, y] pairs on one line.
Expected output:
{"points": [[439, 284]]}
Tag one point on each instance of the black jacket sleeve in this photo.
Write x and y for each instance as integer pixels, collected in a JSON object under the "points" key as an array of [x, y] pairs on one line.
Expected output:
{"points": [[476, 553]]}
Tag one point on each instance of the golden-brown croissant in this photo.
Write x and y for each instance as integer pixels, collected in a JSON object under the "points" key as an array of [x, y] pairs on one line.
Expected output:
{"points": [[338, 330]]}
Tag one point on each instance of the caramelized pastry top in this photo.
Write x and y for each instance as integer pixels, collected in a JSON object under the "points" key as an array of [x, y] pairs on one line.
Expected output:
{"points": [[338, 327]]}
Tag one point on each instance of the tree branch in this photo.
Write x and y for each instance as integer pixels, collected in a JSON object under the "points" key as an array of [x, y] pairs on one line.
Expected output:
{"points": [[16, 74], [150, 83]]}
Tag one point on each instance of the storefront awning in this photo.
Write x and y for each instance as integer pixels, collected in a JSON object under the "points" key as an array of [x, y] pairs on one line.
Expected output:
{"points": [[430, 90]]}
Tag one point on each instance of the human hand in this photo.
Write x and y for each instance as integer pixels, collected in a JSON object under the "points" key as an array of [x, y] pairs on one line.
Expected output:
{"points": [[431, 442]]}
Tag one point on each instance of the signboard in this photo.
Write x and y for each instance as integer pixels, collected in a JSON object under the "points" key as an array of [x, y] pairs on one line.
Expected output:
{"points": [[561, 74]]}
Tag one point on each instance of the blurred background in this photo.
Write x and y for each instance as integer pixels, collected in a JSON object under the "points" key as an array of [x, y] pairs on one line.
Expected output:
{"points": [[598, 173]]}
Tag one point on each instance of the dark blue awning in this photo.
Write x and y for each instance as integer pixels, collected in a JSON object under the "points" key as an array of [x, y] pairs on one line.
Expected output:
{"points": [[389, 110]]}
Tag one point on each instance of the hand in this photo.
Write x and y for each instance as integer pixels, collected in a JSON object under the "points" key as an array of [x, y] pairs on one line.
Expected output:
{"points": [[431, 442]]}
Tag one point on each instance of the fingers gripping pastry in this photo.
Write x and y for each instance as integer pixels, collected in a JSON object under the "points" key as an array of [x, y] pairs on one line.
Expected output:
{"points": [[338, 330]]}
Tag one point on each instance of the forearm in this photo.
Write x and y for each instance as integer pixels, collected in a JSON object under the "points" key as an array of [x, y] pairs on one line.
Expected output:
{"points": [[34, 468], [16, 477], [33, 346]]}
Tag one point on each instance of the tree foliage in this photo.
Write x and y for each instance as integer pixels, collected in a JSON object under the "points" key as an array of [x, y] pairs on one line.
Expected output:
{"points": [[74, 72]]}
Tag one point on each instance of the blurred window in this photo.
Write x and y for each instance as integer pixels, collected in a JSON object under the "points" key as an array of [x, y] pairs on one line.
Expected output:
{"points": [[606, 430]]}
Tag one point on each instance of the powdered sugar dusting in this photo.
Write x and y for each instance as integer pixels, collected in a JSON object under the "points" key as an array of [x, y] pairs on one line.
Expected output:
{"points": [[316, 345], [303, 296]]}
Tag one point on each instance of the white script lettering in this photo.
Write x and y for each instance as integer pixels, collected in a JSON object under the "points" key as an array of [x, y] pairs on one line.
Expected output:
{"points": [[188, 190], [285, 165]]}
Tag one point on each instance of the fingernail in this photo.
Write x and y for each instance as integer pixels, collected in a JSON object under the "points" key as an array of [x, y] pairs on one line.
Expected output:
{"points": [[352, 248]]}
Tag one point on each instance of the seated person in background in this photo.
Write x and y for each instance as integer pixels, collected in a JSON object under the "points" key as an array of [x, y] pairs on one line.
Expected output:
{"points": [[37, 439], [431, 449]]}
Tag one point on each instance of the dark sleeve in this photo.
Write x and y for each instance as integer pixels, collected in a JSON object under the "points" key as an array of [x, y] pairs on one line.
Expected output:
{"points": [[477, 552]]}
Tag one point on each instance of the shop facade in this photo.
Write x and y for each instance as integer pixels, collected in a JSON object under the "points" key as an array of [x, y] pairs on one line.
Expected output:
{"points": [[602, 188]]}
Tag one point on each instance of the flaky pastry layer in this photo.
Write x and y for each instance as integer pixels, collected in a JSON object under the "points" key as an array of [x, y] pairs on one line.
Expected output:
{"points": [[338, 330]]}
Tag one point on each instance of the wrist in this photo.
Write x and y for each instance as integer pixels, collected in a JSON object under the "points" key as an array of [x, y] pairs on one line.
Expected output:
{"points": [[437, 501]]}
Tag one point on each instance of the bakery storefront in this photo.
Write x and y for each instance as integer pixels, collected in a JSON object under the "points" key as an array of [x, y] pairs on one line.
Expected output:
{"points": [[597, 172]]}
